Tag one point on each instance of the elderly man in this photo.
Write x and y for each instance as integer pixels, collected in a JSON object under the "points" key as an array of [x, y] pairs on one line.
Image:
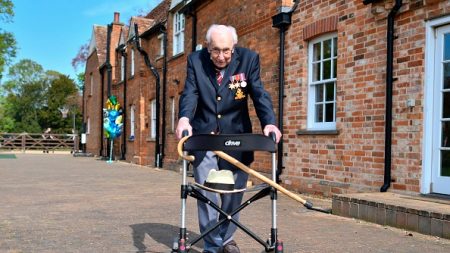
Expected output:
{"points": [[220, 79]]}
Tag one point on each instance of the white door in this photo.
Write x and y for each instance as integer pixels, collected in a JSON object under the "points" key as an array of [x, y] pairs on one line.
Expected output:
{"points": [[441, 114]]}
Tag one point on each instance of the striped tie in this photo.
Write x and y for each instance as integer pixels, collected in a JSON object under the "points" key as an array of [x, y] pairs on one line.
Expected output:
{"points": [[219, 77]]}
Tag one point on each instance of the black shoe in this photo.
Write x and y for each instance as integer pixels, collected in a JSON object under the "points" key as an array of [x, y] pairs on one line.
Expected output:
{"points": [[231, 247]]}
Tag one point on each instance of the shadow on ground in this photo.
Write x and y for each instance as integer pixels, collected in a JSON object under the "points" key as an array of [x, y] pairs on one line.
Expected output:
{"points": [[161, 233]]}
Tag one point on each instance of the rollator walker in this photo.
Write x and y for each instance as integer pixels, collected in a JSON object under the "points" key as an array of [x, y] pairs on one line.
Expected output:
{"points": [[232, 142]]}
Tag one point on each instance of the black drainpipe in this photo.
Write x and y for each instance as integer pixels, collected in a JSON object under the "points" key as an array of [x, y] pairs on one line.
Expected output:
{"points": [[158, 158], [123, 53], [102, 101], [109, 75], [281, 21], [108, 55], [389, 84], [163, 134], [194, 30]]}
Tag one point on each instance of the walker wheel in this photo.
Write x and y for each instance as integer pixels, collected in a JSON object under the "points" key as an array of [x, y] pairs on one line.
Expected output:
{"points": [[279, 247]]}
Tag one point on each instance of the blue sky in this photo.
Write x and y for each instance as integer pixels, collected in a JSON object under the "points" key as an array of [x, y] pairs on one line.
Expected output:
{"points": [[50, 32]]}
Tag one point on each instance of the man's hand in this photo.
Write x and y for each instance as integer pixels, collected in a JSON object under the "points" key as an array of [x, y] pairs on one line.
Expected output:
{"points": [[183, 124], [272, 128]]}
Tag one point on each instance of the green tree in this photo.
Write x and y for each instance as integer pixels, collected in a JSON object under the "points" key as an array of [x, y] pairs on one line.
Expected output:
{"points": [[80, 81], [25, 96], [79, 61], [7, 41], [33, 98], [21, 74], [62, 93], [7, 124]]}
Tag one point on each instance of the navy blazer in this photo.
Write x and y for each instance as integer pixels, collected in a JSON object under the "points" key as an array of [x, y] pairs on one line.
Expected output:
{"points": [[224, 109]]}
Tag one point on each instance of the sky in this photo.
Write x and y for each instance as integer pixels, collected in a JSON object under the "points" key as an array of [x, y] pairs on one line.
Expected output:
{"points": [[51, 32]]}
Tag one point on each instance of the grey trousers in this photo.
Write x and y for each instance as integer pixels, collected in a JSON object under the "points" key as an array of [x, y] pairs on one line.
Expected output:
{"points": [[207, 216]]}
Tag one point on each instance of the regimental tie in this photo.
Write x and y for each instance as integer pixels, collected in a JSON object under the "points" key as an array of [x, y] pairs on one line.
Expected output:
{"points": [[219, 77]]}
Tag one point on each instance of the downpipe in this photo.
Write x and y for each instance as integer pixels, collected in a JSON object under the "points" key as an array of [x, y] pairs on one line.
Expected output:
{"points": [[158, 156], [389, 88]]}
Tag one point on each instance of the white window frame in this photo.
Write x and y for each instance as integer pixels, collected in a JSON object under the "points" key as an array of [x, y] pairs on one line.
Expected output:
{"points": [[91, 88], [132, 68], [88, 125], [429, 97], [312, 124], [172, 115], [132, 121], [122, 68], [153, 119], [161, 45], [178, 33]]}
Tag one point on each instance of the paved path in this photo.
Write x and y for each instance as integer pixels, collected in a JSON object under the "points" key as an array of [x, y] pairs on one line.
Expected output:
{"points": [[58, 203]]}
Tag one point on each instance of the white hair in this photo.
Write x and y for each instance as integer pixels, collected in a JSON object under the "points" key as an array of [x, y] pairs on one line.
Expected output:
{"points": [[223, 29]]}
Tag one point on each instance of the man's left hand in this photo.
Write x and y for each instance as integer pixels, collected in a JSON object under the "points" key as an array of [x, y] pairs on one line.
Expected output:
{"points": [[272, 128]]}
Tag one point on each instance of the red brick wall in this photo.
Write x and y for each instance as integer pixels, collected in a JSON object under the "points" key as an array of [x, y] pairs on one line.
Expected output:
{"points": [[253, 23], [92, 109], [353, 160]]}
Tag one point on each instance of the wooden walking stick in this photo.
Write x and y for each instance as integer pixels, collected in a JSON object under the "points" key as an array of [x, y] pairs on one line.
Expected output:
{"points": [[254, 173]]}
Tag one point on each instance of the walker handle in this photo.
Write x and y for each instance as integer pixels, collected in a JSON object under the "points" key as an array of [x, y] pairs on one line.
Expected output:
{"points": [[273, 136], [189, 158]]}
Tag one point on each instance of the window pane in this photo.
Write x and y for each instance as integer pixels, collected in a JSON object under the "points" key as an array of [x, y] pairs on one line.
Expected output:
{"points": [[182, 22], [316, 52], [319, 93], [334, 68], [447, 46], [319, 113], [329, 94], [335, 46], [326, 69], [327, 49], [329, 112], [445, 163], [446, 104], [316, 72], [446, 134], [446, 84]]}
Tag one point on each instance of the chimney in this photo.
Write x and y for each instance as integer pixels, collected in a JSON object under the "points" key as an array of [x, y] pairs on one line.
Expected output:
{"points": [[116, 17]]}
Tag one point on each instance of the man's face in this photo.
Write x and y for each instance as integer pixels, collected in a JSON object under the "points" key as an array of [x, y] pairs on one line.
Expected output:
{"points": [[221, 49]]}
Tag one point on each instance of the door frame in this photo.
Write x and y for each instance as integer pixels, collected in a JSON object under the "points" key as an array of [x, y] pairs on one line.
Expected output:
{"points": [[427, 148]]}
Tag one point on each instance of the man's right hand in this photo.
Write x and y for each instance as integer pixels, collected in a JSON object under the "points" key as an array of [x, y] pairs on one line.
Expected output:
{"points": [[183, 124]]}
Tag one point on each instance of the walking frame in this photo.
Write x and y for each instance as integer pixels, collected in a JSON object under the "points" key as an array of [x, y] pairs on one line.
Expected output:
{"points": [[232, 142]]}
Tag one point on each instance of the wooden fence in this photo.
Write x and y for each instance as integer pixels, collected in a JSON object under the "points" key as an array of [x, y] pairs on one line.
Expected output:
{"points": [[45, 142]]}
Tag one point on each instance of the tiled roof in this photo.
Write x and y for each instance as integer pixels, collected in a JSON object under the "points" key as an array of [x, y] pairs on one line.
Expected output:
{"points": [[143, 23], [123, 35], [160, 12], [100, 33]]}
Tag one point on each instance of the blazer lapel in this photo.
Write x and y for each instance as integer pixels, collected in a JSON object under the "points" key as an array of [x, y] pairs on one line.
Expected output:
{"points": [[230, 70], [208, 66]]}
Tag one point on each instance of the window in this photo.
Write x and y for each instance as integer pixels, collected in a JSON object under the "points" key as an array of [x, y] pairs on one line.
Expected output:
{"points": [[132, 121], [91, 80], [161, 44], [178, 33], [153, 119], [132, 62], [322, 66], [172, 115], [88, 126], [122, 68]]}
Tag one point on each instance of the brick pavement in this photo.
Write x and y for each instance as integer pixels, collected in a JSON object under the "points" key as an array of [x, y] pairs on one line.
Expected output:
{"points": [[59, 203]]}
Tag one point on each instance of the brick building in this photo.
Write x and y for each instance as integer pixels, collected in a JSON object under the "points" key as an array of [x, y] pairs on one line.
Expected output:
{"points": [[365, 98]]}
